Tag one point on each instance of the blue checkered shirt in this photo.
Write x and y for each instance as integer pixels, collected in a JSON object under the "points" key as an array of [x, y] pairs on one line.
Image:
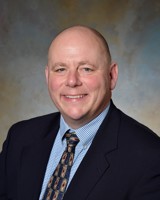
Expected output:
{"points": [[85, 134]]}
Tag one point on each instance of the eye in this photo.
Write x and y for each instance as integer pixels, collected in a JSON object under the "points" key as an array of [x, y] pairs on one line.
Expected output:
{"points": [[87, 69], [60, 69]]}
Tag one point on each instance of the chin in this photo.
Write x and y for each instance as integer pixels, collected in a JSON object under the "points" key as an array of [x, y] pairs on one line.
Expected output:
{"points": [[74, 116]]}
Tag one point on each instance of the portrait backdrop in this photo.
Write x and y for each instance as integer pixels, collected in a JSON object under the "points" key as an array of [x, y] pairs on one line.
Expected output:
{"points": [[131, 27]]}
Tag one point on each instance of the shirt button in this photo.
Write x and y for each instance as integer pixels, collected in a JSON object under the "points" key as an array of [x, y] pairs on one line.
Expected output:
{"points": [[85, 147]]}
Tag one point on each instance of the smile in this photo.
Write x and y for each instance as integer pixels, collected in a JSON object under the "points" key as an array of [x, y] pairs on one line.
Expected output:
{"points": [[74, 96]]}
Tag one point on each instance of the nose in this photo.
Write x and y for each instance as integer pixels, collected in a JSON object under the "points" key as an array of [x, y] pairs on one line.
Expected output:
{"points": [[73, 79]]}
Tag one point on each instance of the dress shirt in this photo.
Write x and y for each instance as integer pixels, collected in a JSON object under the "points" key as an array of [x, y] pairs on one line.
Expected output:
{"points": [[85, 134]]}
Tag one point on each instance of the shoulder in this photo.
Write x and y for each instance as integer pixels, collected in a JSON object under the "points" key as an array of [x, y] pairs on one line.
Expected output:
{"points": [[133, 128], [132, 133], [34, 128], [137, 138], [40, 120]]}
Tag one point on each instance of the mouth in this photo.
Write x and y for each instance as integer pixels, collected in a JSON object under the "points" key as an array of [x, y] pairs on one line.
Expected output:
{"points": [[75, 96]]}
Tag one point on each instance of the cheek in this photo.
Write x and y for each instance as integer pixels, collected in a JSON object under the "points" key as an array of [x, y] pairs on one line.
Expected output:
{"points": [[53, 84], [53, 88], [97, 84]]}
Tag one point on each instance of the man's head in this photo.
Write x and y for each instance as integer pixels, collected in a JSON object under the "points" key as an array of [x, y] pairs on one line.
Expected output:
{"points": [[80, 74]]}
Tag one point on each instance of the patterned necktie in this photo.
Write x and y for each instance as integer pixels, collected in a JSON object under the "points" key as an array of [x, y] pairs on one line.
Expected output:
{"points": [[57, 184]]}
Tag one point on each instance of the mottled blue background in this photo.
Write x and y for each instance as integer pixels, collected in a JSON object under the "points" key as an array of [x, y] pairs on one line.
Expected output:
{"points": [[132, 28]]}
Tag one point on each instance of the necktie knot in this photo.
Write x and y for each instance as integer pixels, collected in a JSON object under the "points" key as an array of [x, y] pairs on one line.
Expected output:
{"points": [[72, 140]]}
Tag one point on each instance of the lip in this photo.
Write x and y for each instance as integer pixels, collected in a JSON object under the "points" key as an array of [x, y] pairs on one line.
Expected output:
{"points": [[74, 98]]}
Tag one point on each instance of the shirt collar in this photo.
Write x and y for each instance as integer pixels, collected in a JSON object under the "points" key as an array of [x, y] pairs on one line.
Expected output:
{"points": [[87, 132]]}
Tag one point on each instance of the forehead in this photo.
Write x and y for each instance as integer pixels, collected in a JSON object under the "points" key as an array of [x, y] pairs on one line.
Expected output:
{"points": [[76, 37]]}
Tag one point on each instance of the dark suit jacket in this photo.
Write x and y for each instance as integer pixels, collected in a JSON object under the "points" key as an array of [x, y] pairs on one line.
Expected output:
{"points": [[123, 162]]}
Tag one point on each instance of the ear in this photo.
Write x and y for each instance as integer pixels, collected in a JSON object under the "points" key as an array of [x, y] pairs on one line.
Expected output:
{"points": [[113, 75], [47, 73]]}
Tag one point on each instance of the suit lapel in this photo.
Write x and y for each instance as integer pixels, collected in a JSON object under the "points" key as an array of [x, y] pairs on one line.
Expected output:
{"points": [[96, 161], [35, 157], [34, 160]]}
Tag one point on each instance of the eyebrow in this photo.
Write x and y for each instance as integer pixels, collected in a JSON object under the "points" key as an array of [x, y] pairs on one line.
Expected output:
{"points": [[59, 64], [81, 63]]}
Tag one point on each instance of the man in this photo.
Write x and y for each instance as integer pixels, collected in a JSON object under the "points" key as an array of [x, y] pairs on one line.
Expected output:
{"points": [[116, 158]]}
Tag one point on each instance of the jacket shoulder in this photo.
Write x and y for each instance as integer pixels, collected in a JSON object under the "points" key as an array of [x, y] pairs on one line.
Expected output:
{"points": [[130, 132], [40, 120], [34, 128], [136, 134]]}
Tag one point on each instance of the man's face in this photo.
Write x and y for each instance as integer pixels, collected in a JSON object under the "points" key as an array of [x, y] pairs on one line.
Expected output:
{"points": [[78, 77]]}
